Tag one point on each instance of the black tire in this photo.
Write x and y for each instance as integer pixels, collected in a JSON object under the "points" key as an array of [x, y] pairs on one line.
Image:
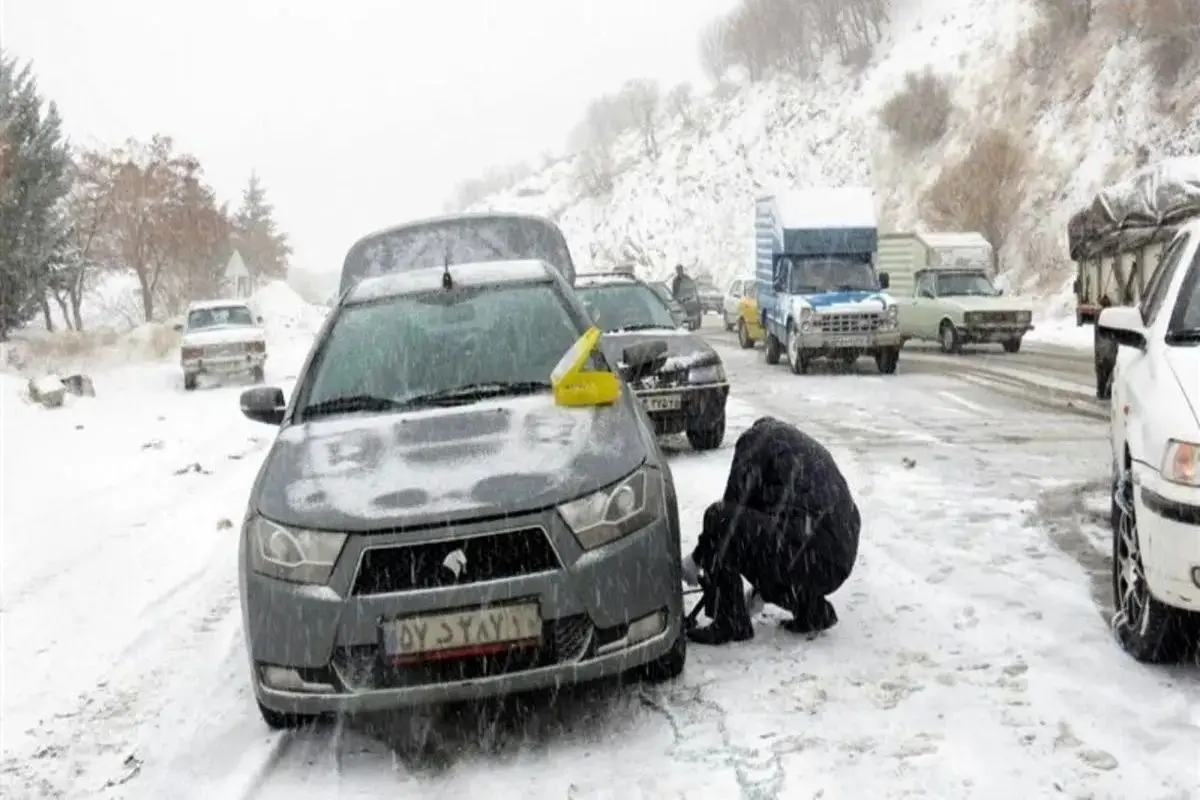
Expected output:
{"points": [[283, 721], [887, 360], [772, 350], [948, 337], [797, 361], [728, 324], [1011, 345], [744, 335], [670, 665], [258, 375], [190, 381], [708, 437], [1147, 629]]}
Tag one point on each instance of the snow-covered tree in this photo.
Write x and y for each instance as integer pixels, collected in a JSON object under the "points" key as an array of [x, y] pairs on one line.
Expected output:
{"points": [[263, 246]]}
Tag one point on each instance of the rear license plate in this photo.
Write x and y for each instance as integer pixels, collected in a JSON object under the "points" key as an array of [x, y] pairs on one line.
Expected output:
{"points": [[461, 634], [663, 402], [851, 341]]}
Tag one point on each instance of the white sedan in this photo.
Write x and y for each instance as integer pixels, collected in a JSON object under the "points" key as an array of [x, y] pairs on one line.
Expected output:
{"points": [[1155, 428], [221, 337]]}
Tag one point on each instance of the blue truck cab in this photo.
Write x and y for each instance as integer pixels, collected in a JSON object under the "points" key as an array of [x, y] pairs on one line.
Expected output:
{"points": [[819, 295]]}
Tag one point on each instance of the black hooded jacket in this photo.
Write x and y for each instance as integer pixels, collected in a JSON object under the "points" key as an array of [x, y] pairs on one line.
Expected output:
{"points": [[791, 478]]}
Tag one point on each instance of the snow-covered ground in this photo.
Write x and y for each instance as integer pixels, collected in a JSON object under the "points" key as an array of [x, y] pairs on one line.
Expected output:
{"points": [[972, 660]]}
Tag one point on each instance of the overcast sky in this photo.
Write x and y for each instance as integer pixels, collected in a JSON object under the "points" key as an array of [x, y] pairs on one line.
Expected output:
{"points": [[357, 113]]}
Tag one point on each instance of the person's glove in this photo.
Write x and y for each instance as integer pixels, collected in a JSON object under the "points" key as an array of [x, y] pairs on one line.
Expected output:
{"points": [[691, 573]]}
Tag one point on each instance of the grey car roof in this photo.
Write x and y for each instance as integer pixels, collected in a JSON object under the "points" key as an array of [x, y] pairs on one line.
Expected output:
{"points": [[487, 273], [585, 281]]}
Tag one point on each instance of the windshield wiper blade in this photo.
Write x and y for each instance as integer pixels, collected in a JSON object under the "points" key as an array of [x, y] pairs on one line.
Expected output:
{"points": [[350, 404], [642, 326], [470, 392]]}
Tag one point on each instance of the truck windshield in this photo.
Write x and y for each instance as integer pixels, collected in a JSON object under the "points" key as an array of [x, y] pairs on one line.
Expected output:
{"points": [[831, 275], [964, 284]]}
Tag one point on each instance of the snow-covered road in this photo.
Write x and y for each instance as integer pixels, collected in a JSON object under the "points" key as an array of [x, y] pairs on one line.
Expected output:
{"points": [[972, 660]]}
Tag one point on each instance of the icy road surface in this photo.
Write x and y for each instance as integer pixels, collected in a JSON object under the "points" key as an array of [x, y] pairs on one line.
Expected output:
{"points": [[973, 658]]}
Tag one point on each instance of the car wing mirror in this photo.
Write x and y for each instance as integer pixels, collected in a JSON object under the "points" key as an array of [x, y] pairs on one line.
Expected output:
{"points": [[1123, 325], [265, 404]]}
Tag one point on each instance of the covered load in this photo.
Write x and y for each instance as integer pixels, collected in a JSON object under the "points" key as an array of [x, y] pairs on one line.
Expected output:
{"points": [[1144, 208]]}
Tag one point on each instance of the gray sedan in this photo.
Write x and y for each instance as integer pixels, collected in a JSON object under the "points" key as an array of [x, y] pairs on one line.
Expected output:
{"points": [[429, 526]]}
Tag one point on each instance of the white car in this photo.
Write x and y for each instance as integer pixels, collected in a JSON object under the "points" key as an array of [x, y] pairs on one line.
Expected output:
{"points": [[1155, 431], [221, 337], [738, 288]]}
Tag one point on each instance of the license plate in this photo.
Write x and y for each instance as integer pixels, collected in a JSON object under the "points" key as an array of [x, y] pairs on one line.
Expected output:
{"points": [[851, 341], [461, 634], [663, 402]]}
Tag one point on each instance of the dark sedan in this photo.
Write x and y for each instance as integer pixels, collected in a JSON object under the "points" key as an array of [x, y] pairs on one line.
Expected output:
{"points": [[687, 392]]}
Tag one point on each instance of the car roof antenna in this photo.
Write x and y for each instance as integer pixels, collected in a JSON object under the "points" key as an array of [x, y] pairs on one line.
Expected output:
{"points": [[447, 280]]}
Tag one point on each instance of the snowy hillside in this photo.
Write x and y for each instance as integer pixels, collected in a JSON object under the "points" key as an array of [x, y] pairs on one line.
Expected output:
{"points": [[1083, 111]]}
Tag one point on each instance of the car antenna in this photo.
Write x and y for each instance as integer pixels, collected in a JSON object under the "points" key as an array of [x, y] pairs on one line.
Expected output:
{"points": [[447, 280]]}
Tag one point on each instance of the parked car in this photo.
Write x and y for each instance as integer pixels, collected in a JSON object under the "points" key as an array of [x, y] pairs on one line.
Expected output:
{"points": [[711, 299], [738, 288], [749, 324], [431, 526], [955, 306], [1155, 431], [221, 338], [687, 392], [664, 291]]}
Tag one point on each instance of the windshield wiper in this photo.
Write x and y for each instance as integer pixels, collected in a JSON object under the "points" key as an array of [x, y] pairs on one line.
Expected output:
{"points": [[350, 404], [1185, 336], [642, 326], [472, 392]]}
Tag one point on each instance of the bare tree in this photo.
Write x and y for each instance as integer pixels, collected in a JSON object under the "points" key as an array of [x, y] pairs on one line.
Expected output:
{"points": [[89, 208], [679, 103], [639, 101]]}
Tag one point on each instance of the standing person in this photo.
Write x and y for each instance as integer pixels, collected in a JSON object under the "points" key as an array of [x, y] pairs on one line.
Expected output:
{"points": [[680, 276], [787, 523]]}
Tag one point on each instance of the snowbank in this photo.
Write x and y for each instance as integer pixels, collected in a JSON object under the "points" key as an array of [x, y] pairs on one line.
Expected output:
{"points": [[285, 312]]}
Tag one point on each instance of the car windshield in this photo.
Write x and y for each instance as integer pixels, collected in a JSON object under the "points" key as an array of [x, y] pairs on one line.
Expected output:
{"points": [[459, 240], [418, 349], [626, 307], [1189, 302], [218, 317], [662, 290], [960, 284], [831, 275]]}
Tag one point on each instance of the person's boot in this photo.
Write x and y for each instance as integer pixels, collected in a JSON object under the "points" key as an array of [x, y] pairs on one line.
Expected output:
{"points": [[812, 617], [727, 607]]}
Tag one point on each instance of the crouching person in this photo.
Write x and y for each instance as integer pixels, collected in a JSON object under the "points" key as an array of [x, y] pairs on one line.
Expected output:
{"points": [[787, 524]]}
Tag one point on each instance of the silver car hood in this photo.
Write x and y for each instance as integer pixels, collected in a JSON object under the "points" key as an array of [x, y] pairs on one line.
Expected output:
{"points": [[386, 471]]}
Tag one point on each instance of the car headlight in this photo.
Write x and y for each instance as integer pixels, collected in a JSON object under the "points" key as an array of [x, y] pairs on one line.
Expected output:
{"points": [[806, 314], [292, 554], [713, 373], [1024, 316], [1181, 463], [971, 318], [615, 511]]}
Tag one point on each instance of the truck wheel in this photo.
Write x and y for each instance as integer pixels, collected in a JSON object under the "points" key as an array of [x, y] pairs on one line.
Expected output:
{"points": [[189, 381], [796, 358], [887, 360], [258, 375], [771, 351], [1147, 629], [948, 336], [744, 336], [1011, 345]]}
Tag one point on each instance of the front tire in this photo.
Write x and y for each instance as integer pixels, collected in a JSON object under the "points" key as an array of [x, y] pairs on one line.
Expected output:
{"points": [[772, 349], [728, 324], [744, 335], [708, 437], [948, 337], [1147, 629], [1011, 345], [796, 358], [258, 375], [887, 360], [190, 381]]}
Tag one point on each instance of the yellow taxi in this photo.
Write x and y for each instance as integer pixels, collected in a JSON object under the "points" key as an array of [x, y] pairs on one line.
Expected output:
{"points": [[749, 330]]}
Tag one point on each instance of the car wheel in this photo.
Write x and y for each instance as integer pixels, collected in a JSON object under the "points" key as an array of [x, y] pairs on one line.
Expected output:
{"points": [[744, 335], [281, 720], [669, 666], [948, 336], [708, 437], [772, 350], [887, 360], [258, 375], [1147, 629], [1012, 345], [189, 381], [728, 324], [796, 358]]}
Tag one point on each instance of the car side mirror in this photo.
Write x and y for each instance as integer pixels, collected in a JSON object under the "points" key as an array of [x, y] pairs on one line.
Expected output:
{"points": [[265, 404], [642, 359], [927, 294], [885, 280], [1123, 325], [177, 327]]}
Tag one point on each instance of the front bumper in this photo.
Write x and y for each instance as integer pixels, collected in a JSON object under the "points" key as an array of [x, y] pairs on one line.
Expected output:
{"points": [[331, 637], [677, 409], [223, 365], [821, 343], [992, 333], [1168, 517]]}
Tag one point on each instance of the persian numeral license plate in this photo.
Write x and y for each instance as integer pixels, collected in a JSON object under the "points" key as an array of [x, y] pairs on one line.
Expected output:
{"points": [[851, 341], [459, 634], [663, 402]]}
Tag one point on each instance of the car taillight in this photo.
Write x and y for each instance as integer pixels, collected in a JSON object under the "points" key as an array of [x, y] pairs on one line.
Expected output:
{"points": [[256, 347], [192, 352]]}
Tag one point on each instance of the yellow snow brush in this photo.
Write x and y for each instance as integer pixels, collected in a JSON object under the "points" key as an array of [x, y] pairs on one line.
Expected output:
{"points": [[576, 387]]}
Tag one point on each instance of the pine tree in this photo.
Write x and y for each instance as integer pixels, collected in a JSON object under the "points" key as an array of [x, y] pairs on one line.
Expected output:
{"points": [[264, 248], [34, 180]]}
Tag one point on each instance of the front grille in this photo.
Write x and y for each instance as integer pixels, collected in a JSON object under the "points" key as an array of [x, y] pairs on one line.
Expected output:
{"points": [[994, 317], [215, 350], [402, 568], [564, 640], [848, 323]]}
